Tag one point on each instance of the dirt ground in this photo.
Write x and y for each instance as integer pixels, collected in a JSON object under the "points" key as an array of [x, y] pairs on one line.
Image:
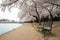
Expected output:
{"points": [[27, 32]]}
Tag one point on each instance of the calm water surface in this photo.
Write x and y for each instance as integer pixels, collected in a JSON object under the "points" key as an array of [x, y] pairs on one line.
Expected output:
{"points": [[5, 27]]}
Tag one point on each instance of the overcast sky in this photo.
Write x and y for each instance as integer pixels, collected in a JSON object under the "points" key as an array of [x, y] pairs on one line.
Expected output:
{"points": [[13, 15]]}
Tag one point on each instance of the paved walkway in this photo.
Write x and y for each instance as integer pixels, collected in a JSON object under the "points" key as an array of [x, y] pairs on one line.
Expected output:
{"points": [[26, 32]]}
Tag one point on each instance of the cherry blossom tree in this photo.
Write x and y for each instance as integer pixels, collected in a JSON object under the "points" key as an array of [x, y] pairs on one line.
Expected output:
{"points": [[33, 9]]}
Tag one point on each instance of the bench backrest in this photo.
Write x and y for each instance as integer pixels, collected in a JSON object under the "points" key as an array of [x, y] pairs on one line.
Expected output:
{"points": [[48, 23]]}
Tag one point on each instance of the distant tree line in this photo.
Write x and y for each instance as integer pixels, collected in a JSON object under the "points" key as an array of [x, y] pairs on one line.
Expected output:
{"points": [[4, 20]]}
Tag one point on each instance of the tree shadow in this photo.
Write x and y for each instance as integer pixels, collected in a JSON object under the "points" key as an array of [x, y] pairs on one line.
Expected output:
{"points": [[46, 34]]}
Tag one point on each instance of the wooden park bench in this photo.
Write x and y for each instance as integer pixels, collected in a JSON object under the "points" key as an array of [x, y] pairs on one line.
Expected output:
{"points": [[47, 26]]}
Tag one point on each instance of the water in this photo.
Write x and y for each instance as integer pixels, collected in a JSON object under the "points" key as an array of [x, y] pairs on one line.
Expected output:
{"points": [[6, 27]]}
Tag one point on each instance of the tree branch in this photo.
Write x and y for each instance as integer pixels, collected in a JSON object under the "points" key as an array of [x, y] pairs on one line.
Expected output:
{"points": [[54, 4], [48, 11], [7, 4], [37, 11]]}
